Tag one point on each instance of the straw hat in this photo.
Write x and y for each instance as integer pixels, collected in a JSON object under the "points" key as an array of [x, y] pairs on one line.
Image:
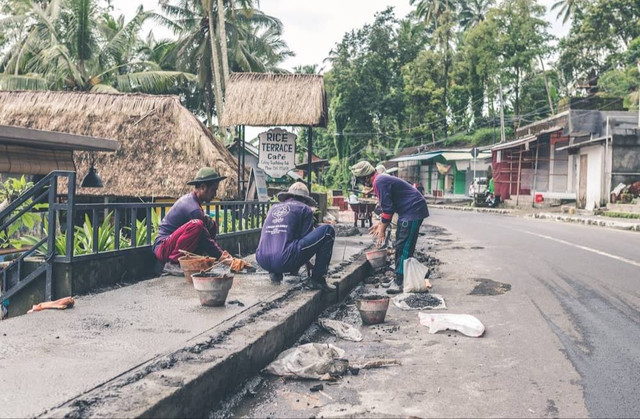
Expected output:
{"points": [[298, 191], [206, 175]]}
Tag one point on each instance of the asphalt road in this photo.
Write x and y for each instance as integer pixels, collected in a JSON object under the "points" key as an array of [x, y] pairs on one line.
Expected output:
{"points": [[563, 342], [591, 276]]}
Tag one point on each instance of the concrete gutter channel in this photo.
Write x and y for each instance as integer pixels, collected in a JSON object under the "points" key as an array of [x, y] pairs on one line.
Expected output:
{"points": [[190, 381]]}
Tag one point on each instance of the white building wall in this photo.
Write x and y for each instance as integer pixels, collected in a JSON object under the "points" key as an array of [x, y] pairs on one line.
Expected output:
{"points": [[595, 155]]}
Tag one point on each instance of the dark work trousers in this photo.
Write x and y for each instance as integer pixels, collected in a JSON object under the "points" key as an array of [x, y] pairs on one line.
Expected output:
{"points": [[318, 243], [406, 239]]}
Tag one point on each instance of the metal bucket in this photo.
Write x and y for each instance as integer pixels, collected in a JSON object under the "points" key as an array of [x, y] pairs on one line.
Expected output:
{"points": [[194, 264], [212, 289], [372, 308], [377, 258]]}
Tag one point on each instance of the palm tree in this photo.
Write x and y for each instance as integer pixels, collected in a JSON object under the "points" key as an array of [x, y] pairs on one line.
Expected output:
{"points": [[75, 45], [473, 12], [253, 42], [439, 16], [567, 8]]}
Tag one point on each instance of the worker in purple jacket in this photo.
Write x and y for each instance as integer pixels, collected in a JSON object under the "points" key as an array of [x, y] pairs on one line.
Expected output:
{"points": [[288, 240], [187, 227], [395, 195]]}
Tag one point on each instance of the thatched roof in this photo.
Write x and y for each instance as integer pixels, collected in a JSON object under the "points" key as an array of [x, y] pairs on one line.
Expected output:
{"points": [[265, 100], [162, 144]]}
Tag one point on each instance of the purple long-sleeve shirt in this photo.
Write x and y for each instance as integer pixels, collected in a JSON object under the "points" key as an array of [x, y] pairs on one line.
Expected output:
{"points": [[396, 195], [285, 225], [185, 209]]}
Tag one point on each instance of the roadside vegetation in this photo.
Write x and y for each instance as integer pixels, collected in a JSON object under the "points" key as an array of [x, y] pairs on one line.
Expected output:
{"points": [[438, 76]]}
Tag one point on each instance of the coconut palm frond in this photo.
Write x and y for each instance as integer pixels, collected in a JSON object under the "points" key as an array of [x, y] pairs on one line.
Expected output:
{"points": [[125, 36], [153, 82], [25, 82]]}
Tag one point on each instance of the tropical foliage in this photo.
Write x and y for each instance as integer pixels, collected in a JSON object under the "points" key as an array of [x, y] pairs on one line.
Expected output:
{"points": [[80, 45], [436, 77]]}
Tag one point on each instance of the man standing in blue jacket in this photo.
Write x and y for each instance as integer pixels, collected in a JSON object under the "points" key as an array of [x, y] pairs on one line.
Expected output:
{"points": [[288, 239], [395, 195]]}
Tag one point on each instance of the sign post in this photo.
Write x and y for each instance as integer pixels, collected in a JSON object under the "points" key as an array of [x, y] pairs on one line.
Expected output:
{"points": [[474, 153], [257, 186], [277, 152]]}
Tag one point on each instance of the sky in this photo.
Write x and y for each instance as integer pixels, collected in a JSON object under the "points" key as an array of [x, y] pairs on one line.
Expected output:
{"points": [[313, 27]]}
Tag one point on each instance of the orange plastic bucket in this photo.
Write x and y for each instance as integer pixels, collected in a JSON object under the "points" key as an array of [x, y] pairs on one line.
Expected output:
{"points": [[194, 264]]}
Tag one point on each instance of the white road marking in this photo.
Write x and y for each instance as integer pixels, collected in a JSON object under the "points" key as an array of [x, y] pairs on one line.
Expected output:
{"points": [[588, 249]]}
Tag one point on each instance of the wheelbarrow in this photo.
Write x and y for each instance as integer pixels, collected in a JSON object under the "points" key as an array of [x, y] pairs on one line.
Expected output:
{"points": [[362, 211]]}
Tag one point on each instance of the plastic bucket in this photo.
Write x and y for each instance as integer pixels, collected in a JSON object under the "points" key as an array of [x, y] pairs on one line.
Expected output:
{"points": [[372, 308], [194, 264], [377, 258], [212, 290]]}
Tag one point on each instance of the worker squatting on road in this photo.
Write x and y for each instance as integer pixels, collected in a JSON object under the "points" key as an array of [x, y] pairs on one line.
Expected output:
{"points": [[289, 240], [395, 195], [187, 227]]}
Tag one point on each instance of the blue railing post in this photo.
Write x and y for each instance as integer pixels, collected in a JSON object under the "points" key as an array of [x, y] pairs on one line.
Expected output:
{"points": [[116, 223], [149, 225], [71, 212], [51, 238]]}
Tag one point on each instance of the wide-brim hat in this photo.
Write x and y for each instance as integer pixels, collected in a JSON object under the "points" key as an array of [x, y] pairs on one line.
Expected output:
{"points": [[206, 175], [300, 192]]}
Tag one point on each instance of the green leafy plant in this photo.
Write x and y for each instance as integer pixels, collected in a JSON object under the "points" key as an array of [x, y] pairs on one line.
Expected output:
{"points": [[10, 190]]}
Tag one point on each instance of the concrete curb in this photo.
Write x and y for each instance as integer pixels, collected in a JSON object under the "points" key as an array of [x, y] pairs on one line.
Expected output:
{"points": [[474, 209], [189, 382], [587, 221]]}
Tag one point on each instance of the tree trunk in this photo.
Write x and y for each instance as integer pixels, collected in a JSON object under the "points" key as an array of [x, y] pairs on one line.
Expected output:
{"points": [[516, 107], [446, 83], [215, 62], [223, 43], [546, 86]]}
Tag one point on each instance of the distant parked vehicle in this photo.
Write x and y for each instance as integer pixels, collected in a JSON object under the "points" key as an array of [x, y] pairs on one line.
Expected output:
{"points": [[478, 186]]}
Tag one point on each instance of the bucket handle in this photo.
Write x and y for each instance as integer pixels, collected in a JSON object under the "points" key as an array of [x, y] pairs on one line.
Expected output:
{"points": [[187, 253]]}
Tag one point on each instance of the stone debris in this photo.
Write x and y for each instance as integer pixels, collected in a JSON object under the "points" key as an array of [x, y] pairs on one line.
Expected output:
{"points": [[421, 301]]}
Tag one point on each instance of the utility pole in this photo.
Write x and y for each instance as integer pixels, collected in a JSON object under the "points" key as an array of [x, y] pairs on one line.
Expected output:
{"points": [[502, 135], [638, 97]]}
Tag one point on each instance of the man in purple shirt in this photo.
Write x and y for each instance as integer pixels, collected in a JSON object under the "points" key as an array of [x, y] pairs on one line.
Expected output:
{"points": [[288, 239], [395, 195], [186, 227]]}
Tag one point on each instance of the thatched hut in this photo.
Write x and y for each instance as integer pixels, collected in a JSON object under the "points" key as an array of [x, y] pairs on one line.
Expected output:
{"points": [[162, 144], [258, 99]]}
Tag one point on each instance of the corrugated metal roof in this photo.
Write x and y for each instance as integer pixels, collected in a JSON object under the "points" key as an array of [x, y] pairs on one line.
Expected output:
{"points": [[465, 156], [420, 157], [515, 143]]}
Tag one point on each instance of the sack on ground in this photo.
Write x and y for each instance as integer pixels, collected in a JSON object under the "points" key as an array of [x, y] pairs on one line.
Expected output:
{"points": [[415, 276], [316, 361], [463, 323], [341, 329]]}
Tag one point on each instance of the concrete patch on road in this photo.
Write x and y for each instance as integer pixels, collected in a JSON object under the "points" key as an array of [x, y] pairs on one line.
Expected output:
{"points": [[489, 287]]}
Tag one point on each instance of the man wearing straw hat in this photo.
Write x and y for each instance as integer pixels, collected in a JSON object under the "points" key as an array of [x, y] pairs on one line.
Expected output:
{"points": [[186, 227], [395, 195], [288, 239]]}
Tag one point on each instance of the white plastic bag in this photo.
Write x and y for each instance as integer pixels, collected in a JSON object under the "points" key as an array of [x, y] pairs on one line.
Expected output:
{"points": [[463, 323], [341, 329], [414, 276], [319, 361]]}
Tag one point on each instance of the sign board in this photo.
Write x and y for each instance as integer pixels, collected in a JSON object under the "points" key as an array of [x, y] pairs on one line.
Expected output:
{"points": [[257, 186], [277, 152], [475, 152], [443, 168]]}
